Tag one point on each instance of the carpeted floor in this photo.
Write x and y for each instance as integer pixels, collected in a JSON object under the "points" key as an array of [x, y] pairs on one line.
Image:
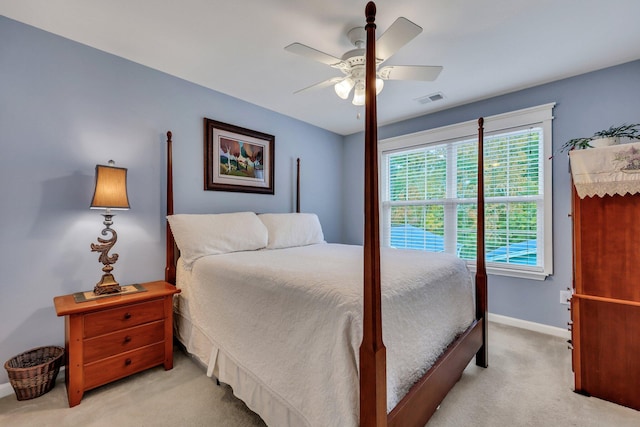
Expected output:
{"points": [[528, 383]]}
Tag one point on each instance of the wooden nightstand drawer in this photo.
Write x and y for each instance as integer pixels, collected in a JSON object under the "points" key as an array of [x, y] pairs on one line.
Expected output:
{"points": [[106, 321], [128, 339], [115, 367]]}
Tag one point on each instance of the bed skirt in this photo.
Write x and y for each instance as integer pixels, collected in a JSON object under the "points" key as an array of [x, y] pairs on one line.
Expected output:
{"points": [[245, 387]]}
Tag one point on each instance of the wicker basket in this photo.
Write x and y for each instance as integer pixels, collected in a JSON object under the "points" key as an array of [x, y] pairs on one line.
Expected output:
{"points": [[34, 372]]}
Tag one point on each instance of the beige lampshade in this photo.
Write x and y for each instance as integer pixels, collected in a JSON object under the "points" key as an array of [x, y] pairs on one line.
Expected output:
{"points": [[111, 188]]}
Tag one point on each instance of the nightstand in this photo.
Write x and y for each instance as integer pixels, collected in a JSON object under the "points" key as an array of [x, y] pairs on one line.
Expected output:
{"points": [[115, 336]]}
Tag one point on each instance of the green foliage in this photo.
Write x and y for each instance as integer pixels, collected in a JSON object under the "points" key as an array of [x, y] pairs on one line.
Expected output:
{"points": [[622, 131]]}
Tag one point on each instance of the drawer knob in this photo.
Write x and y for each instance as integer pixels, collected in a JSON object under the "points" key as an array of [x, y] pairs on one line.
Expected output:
{"points": [[127, 316], [127, 339], [127, 362]]}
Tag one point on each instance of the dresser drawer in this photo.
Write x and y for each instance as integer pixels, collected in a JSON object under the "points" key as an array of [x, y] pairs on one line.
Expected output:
{"points": [[119, 366], [102, 322], [103, 346]]}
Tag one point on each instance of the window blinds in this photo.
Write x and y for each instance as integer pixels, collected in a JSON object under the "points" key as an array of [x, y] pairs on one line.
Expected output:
{"points": [[431, 200]]}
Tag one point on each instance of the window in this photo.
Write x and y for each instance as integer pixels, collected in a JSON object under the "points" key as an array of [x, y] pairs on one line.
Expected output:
{"points": [[429, 189]]}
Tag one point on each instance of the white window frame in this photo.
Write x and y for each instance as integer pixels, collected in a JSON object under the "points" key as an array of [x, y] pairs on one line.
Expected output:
{"points": [[540, 116]]}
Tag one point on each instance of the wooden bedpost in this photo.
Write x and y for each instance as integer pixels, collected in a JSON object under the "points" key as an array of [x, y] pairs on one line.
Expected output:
{"points": [[170, 269], [298, 185], [373, 377], [481, 271]]}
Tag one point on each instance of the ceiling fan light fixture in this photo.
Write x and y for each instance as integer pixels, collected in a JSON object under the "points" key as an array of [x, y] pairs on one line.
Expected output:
{"points": [[344, 87], [358, 94], [379, 86]]}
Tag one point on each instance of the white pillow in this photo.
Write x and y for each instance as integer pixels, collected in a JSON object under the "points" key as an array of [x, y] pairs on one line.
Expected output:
{"points": [[198, 235], [292, 229]]}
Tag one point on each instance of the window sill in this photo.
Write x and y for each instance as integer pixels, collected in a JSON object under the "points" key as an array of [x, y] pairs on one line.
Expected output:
{"points": [[512, 272]]}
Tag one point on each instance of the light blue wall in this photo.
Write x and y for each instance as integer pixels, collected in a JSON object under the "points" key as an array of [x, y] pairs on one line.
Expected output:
{"points": [[64, 108], [584, 104]]}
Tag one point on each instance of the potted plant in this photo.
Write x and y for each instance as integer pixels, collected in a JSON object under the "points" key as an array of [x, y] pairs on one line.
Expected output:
{"points": [[604, 138]]}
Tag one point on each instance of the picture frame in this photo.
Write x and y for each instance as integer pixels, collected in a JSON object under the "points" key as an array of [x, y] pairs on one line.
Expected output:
{"points": [[237, 159]]}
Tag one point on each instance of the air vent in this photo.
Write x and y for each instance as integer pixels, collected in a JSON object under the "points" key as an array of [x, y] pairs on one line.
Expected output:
{"points": [[430, 98]]}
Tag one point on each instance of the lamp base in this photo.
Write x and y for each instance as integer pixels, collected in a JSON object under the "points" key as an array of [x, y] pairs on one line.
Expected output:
{"points": [[107, 285]]}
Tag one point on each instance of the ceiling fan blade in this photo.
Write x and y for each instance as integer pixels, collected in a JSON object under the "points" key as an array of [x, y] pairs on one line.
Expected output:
{"points": [[311, 53], [410, 72], [323, 84], [401, 32]]}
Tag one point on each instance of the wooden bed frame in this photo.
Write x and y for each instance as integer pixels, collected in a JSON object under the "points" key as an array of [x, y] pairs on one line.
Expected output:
{"points": [[423, 398]]}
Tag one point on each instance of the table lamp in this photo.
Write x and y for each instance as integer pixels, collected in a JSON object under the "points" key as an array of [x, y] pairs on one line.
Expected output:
{"points": [[110, 193]]}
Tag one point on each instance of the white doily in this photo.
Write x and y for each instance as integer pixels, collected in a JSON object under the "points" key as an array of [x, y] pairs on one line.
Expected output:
{"points": [[607, 170]]}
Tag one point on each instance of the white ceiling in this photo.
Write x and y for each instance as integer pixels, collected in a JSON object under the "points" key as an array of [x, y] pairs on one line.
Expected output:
{"points": [[487, 47]]}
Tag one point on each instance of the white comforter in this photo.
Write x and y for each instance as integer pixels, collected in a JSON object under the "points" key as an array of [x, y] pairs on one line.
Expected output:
{"points": [[291, 321]]}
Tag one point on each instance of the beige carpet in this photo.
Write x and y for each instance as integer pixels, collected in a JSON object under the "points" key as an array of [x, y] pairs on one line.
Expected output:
{"points": [[528, 383]]}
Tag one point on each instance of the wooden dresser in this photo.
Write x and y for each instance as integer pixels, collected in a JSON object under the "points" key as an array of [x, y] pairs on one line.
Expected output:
{"points": [[605, 307], [112, 337]]}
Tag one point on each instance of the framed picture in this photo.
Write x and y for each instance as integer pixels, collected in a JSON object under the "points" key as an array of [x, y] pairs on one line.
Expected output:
{"points": [[237, 159]]}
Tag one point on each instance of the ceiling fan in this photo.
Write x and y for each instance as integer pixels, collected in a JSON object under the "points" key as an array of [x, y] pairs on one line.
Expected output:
{"points": [[352, 63]]}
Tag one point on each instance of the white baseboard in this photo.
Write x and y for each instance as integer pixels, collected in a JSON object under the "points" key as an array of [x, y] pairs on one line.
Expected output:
{"points": [[6, 389], [531, 326]]}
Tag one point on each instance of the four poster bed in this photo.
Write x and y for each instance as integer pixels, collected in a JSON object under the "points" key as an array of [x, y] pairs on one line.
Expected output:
{"points": [[280, 315]]}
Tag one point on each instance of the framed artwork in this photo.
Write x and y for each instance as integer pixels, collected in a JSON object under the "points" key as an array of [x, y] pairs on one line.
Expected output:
{"points": [[237, 159]]}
